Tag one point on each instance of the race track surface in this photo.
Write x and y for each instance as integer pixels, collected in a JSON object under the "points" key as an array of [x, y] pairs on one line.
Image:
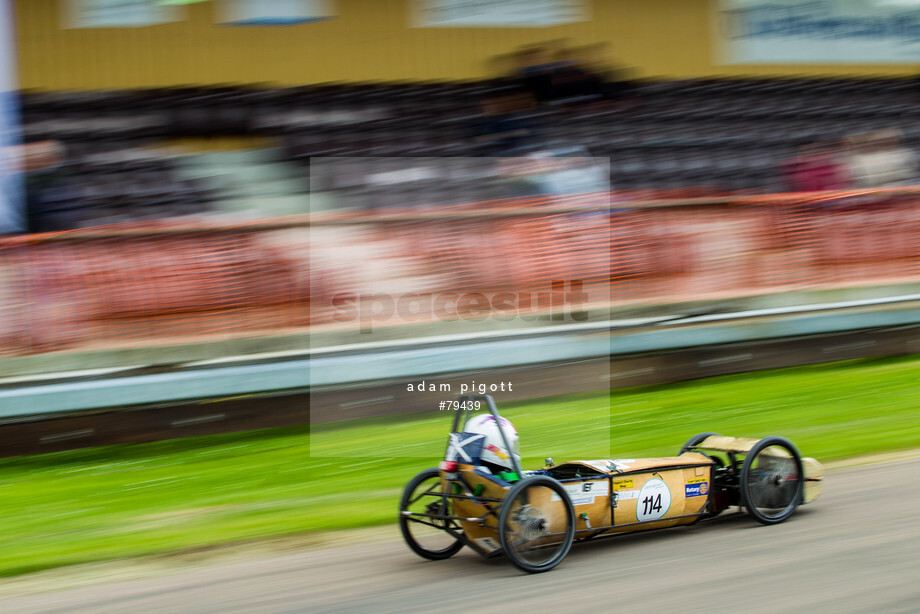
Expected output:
{"points": [[857, 549]]}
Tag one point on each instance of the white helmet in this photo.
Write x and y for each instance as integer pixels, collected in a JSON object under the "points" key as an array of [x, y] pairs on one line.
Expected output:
{"points": [[494, 450]]}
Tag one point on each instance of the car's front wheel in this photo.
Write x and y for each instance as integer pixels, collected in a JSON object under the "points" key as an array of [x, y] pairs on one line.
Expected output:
{"points": [[422, 518]]}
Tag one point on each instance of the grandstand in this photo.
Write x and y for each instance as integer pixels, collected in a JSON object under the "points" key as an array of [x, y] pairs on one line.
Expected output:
{"points": [[725, 135], [245, 203]]}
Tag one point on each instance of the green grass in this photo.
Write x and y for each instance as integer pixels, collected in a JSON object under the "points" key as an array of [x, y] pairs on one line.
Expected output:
{"points": [[131, 500]]}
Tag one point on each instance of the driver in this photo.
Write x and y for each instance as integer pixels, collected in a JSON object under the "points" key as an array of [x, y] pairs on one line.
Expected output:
{"points": [[495, 457]]}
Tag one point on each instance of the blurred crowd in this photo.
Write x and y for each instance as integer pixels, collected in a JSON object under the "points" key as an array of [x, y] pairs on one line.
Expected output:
{"points": [[877, 159], [556, 72], [546, 75], [64, 192], [583, 124], [40, 164]]}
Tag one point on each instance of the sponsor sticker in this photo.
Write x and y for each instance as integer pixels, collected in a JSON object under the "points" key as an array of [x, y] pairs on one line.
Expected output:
{"points": [[487, 543], [623, 495], [696, 490], [583, 493], [696, 480], [622, 485]]}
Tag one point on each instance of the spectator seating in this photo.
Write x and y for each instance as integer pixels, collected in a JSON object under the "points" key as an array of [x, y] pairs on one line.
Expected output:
{"points": [[716, 132]]}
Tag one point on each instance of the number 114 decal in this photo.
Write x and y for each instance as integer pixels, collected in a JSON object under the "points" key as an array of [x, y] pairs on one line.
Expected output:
{"points": [[651, 504], [654, 500]]}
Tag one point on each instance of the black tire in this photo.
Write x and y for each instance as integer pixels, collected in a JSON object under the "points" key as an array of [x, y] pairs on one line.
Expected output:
{"points": [[695, 441], [536, 532], [772, 480], [428, 537]]}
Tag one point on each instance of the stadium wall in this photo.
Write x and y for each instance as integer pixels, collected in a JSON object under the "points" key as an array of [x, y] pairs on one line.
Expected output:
{"points": [[370, 40]]}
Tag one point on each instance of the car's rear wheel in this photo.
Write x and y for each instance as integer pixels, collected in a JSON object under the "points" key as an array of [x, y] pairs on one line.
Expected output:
{"points": [[536, 524], [772, 480], [421, 518]]}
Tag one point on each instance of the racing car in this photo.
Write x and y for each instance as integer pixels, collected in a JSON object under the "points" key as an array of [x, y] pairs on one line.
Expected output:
{"points": [[480, 497]]}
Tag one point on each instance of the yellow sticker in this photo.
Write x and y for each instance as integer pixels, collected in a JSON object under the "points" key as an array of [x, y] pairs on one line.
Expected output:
{"points": [[622, 485], [696, 481]]}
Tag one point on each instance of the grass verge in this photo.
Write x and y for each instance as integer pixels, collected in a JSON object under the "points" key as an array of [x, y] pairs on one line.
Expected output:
{"points": [[133, 500]]}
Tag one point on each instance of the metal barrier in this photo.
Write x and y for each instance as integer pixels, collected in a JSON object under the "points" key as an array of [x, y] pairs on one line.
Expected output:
{"points": [[128, 286]]}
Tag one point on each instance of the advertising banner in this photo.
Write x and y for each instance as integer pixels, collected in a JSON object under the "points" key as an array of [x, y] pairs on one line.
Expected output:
{"points": [[817, 32], [496, 13], [117, 13], [273, 12]]}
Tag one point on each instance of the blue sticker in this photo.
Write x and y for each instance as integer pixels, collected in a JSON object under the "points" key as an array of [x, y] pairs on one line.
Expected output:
{"points": [[696, 490]]}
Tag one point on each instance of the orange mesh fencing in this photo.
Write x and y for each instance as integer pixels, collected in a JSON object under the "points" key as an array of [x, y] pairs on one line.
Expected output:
{"points": [[126, 286], [630, 252], [135, 285]]}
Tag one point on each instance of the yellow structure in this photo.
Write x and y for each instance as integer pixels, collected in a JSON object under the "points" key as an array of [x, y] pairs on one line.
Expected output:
{"points": [[370, 40]]}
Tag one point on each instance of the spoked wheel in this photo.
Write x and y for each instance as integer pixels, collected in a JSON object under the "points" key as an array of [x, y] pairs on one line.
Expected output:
{"points": [[428, 537], [772, 480], [537, 524], [695, 441]]}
